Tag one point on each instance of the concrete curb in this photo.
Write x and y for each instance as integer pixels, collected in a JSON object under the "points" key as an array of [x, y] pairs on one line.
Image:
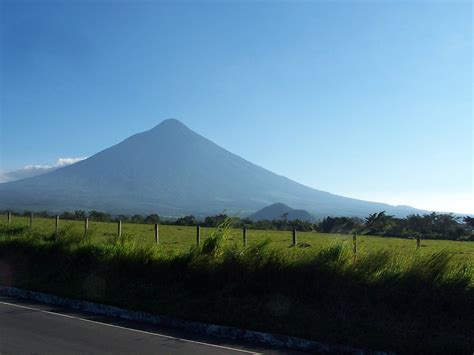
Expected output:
{"points": [[233, 333]]}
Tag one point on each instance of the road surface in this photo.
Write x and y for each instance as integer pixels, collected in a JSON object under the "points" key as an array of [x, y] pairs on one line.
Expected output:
{"points": [[32, 328]]}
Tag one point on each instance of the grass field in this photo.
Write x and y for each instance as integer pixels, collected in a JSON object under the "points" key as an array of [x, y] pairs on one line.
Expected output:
{"points": [[391, 297], [178, 239]]}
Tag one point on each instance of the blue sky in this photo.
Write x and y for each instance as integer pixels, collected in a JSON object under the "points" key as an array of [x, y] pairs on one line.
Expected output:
{"points": [[364, 99]]}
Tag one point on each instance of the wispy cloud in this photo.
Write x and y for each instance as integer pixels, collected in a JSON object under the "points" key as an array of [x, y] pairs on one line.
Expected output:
{"points": [[34, 170], [68, 161]]}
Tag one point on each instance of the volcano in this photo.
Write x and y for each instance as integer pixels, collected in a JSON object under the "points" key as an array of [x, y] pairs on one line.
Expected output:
{"points": [[173, 171]]}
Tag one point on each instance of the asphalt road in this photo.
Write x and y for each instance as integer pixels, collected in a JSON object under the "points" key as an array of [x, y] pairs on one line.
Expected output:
{"points": [[31, 328]]}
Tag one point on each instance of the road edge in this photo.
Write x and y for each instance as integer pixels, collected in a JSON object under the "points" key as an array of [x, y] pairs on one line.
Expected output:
{"points": [[220, 331]]}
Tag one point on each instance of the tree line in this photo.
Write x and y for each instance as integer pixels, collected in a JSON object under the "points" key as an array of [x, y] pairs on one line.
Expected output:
{"points": [[427, 226]]}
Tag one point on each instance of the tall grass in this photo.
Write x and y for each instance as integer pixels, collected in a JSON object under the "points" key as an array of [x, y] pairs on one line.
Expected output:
{"points": [[381, 300]]}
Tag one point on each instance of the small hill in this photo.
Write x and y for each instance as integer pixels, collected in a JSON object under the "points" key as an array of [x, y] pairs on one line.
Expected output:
{"points": [[277, 211]]}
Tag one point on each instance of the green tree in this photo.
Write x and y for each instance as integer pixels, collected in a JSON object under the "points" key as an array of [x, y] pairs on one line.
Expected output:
{"points": [[100, 216], [79, 215], [137, 218], [186, 221], [378, 223], [469, 221], [152, 219]]}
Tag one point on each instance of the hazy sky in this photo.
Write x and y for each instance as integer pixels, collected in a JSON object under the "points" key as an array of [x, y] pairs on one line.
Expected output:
{"points": [[365, 99]]}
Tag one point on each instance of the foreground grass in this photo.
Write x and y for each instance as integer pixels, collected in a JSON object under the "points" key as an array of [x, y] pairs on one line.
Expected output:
{"points": [[386, 300]]}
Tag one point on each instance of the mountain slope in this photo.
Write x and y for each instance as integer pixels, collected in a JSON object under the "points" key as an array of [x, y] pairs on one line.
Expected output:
{"points": [[173, 171], [277, 212]]}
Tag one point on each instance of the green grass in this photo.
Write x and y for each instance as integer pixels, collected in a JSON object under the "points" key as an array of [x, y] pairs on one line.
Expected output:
{"points": [[177, 239], [390, 297]]}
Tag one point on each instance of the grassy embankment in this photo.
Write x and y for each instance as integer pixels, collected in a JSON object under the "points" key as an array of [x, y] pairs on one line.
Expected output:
{"points": [[390, 298]]}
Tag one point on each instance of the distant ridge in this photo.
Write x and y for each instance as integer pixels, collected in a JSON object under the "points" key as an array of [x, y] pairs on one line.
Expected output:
{"points": [[172, 170], [280, 211]]}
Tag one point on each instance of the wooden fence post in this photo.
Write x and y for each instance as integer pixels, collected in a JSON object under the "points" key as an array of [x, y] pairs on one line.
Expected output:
{"points": [[198, 235], [119, 228], [86, 225], [56, 225], [9, 217], [157, 235], [418, 241], [354, 243], [295, 241], [31, 219], [245, 236]]}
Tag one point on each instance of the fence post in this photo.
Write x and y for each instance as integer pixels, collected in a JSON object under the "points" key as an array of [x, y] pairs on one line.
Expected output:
{"points": [[56, 225], [157, 235], [245, 236], [295, 241], [198, 235], [119, 228], [86, 225], [354, 243], [9, 217], [418, 241], [31, 219]]}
